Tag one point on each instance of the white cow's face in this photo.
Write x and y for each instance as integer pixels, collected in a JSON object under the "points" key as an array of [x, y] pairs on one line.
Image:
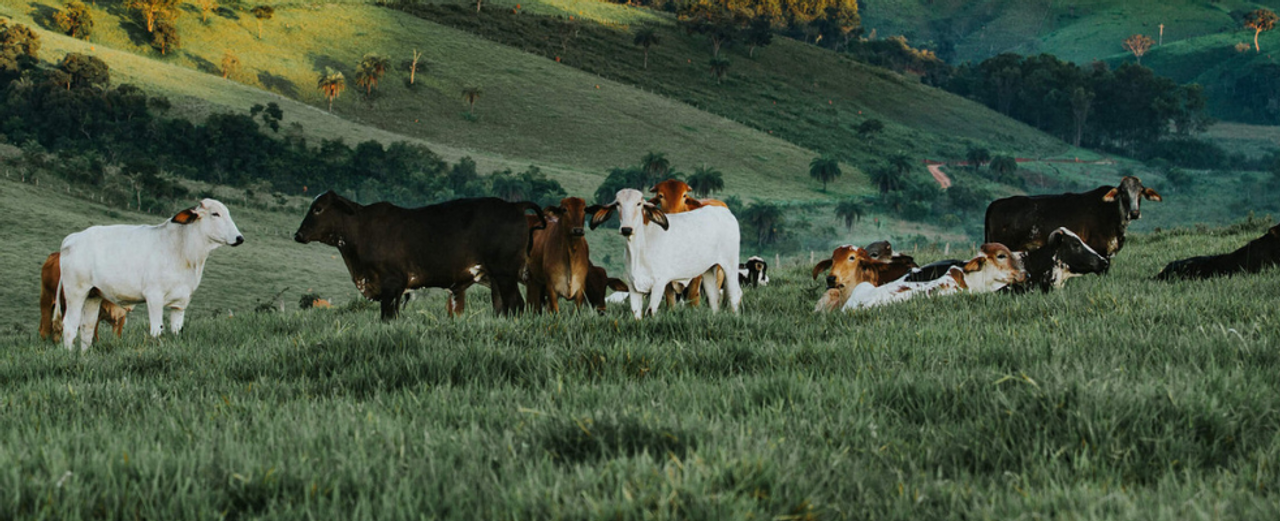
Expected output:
{"points": [[633, 212], [213, 220]]}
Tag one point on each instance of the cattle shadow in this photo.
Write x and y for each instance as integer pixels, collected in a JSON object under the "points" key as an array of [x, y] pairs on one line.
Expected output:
{"points": [[322, 61], [278, 84], [204, 65], [227, 13]]}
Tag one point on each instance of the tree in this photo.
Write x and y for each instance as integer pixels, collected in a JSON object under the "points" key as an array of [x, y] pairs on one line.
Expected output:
{"points": [[262, 12], [900, 163], [766, 219], [1138, 45], [19, 48], [885, 179], [74, 19], [719, 67], [206, 7], [84, 70], [369, 71], [1081, 102], [647, 37], [165, 36], [869, 127], [471, 95], [977, 156], [413, 65], [271, 114], [705, 181], [331, 84], [656, 167], [1259, 20], [716, 21], [1003, 166], [824, 168], [153, 10], [230, 64], [850, 211], [758, 34]]}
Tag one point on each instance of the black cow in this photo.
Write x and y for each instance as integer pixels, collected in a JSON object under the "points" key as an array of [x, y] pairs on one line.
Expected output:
{"points": [[1063, 256], [451, 245], [754, 272], [1260, 253], [1100, 217]]}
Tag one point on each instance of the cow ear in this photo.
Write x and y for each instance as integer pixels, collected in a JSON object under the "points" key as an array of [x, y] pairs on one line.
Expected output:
{"points": [[1054, 238], [655, 214], [975, 264], [617, 285], [187, 216], [1152, 195], [821, 267], [600, 214], [692, 203], [1110, 197]]}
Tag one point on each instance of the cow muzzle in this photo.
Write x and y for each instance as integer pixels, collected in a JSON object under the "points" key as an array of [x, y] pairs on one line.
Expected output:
{"points": [[239, 240], [625, 231], [1135, 215], [577, 232], [298, 237], [831, 282]]}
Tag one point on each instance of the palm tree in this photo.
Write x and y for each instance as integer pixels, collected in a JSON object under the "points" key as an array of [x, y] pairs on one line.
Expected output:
{"points": [[470, 95], [885, 179], [647, 37], [824, 168], [369, 71], [331, 84], [719, 67], [850, 211], [900, 163], [706, 180], [765, 218], [656, 167], [262, 12]]}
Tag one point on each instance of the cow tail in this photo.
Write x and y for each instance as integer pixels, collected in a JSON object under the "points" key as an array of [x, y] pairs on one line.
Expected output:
{"points": [[57, 301], [537, 210]]}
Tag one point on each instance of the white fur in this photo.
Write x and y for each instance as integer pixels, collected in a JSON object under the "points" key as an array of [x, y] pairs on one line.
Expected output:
{"points": [[695, 243], [989, 279], [160, 265]]}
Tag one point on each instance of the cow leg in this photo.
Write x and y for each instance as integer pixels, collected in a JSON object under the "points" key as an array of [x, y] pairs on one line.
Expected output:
{"points": [[89, 322], [733, 289], [708, 283], [155, 314], [176, 316], [694, 297], [506, 290], [46, 315], [73, 314], [669, 294], [553, 298], [637, 302], [535, 291], [655, 299], [389, 296]]}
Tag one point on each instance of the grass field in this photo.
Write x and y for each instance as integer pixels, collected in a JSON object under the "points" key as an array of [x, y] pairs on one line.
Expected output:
{"points": [[1115, 398]]}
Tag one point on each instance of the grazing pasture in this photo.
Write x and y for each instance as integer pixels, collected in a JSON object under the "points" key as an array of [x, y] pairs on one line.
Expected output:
{"points": [[1116, 397]]}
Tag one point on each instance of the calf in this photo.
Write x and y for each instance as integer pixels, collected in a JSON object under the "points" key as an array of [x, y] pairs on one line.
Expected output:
{"points": [[452, 245], [851, 265], [50, 325], [598, 281], [994, 268], [662, 249], [1064, 255], [754, 272], [1260, 253], [160, 265], [559, 258], [1100, 216]]}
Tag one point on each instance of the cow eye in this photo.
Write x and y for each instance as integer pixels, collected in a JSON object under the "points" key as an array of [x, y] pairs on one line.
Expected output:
{"points": [[317, 211], [216, 214], [1002, 256]]}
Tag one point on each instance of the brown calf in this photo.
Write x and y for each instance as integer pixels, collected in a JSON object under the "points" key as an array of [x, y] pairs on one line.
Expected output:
{"points": [[851, 265], [50, 274], [559, 259], [598, 281]]}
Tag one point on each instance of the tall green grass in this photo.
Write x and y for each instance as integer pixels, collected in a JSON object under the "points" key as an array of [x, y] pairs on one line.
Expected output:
{"points": [[1115, 398]]}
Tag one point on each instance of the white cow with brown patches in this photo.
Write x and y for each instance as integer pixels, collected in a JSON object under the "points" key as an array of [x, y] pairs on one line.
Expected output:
{"points": [[994, 268]]}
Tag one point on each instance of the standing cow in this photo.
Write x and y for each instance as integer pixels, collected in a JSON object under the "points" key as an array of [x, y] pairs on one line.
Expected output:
{"points": [[50, 325], [1100, 216], [159, 265], [451, 245], [559, 258]]}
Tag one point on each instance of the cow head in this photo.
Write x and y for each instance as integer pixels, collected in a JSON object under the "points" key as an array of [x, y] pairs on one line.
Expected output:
{"points": [[213, 220], [1073, 255], [633, 212], [326, 220], [880, 250], [995, 267], [672, 196], [572, 214], [1130, 194], [757, 270]]}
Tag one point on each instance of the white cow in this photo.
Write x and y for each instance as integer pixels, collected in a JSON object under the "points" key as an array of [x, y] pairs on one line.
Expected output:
{"points": [[994, 268], [665, 248], [160, 265]]}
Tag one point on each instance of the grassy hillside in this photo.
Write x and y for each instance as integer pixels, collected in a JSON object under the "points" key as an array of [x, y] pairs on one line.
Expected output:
{"points": [[1115, 398]]}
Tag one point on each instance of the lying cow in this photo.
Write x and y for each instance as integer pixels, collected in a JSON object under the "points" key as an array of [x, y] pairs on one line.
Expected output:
{"points": [[1063, 256], [1260, 253], [50, 325], [754, 272], [994, 268], [662, 249], [451, 245], [1100, 217], [160, 265], [851, 265]]}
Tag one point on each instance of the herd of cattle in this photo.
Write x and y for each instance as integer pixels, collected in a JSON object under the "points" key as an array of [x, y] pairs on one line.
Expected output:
{"points": [[677, 246]]}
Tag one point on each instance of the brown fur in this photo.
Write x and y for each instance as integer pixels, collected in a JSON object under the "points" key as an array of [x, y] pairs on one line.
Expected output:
{"points": [[850, 266], [559, 260], [50, 274]]}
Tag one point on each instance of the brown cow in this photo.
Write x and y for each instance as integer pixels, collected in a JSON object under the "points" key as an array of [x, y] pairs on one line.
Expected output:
{"points": [[672, 196], [50, 274], [559, 259], [850, 266], [598, 281]]}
